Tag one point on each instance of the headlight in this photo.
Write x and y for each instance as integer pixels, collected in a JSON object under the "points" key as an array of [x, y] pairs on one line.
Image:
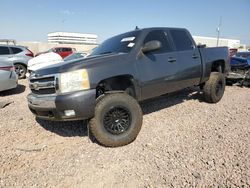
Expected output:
{"points": [[74, 81]]}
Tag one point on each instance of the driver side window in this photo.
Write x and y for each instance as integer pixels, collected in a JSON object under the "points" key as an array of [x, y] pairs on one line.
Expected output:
{"points": [[161, 36]]}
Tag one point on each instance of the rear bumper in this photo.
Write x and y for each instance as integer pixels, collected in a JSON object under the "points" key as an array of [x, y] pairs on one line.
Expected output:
{"points": [[82, 103]]}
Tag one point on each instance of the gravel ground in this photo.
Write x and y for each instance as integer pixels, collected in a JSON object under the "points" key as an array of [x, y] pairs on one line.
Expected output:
{"points": [[184, 142]]}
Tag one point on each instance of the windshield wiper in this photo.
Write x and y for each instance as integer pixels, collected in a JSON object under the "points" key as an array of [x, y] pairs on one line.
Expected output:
{"points": [[108, 52], [103, 53]]}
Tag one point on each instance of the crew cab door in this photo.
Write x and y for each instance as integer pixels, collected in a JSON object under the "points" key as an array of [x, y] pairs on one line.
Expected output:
{"points": [[189, 61], [157, 69]]}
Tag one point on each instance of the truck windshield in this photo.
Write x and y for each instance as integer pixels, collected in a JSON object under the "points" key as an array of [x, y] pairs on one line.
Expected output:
{"points": [[119, 44]]}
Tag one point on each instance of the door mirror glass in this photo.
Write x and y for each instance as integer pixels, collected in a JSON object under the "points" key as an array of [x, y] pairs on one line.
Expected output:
{"points": [[151, 46]]}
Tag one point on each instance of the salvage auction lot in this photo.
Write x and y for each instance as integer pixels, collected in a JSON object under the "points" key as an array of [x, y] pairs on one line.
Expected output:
{"points": [[183, 142]]}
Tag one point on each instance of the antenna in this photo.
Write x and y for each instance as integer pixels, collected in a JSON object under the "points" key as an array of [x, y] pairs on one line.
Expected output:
{"points": [[218, 31]]}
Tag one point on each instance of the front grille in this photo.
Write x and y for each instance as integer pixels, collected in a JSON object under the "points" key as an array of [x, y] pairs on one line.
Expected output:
{"points": [[45, 79], [43, 85], [44, 91]]}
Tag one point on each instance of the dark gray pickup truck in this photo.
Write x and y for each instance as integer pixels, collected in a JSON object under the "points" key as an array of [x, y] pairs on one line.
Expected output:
{"points": [[106, 86]]}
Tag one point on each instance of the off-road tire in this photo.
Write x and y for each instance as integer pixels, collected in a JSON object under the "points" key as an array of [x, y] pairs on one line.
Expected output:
{"points": [[214, 88], [104, 106]]}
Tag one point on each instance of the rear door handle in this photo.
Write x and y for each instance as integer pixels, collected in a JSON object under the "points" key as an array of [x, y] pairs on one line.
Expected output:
{"points": [[195, 56], [171, 60]]}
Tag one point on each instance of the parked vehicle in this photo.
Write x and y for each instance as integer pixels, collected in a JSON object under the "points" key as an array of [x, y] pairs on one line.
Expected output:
{"points": [[18, 55], [51, 58], [62, 51], [8, 77], [240, 69], [42, 61], [134, 66], [76, 55], [232, 51], [243, 54]]}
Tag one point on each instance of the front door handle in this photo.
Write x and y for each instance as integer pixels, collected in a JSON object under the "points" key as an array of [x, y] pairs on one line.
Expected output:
{"points": [[171, 60], [195, 56]]}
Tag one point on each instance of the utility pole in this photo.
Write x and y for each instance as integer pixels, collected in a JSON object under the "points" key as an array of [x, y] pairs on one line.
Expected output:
{"points": [[218, 32]]}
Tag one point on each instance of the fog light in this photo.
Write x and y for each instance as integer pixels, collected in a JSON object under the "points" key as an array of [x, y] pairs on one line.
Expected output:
{"points": [[69, 113]]}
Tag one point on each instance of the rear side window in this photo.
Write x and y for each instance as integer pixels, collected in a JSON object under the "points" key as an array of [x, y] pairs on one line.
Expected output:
{"points": [[57, 50], [181, 40], [16, 50], [160, 36], [4, 50], [66, 49]]}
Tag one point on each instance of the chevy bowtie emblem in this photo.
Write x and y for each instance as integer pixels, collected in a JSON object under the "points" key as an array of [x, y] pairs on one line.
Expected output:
{"points": [[34, 86]]}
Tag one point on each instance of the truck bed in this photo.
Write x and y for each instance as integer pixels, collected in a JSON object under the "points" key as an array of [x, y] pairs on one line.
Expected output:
{"points": [[210, 55]]}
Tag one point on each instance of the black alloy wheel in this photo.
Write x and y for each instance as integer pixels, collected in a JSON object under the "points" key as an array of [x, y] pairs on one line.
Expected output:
{"points": [[117, 120]]}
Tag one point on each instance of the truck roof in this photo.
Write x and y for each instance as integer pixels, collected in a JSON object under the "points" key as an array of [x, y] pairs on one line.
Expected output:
{"points": [[154, 28], [151, 28]]}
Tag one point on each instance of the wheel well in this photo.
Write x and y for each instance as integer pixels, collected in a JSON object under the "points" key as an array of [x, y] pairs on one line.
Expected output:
{"points": [[218, 66], [117, 83]]}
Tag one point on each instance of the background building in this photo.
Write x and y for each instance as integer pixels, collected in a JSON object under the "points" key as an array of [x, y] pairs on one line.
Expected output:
{"points": [[212, 42], [72, 38]]}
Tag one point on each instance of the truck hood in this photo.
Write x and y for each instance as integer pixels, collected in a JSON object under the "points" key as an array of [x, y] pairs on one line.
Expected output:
{"points": [[83, 63]]}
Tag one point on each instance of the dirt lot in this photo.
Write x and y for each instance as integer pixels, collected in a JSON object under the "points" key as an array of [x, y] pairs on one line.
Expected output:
{"points": [[183, 142]]}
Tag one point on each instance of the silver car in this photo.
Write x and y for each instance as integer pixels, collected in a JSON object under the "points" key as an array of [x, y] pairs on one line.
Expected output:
{"points": [[18, 56], [8, 77]]}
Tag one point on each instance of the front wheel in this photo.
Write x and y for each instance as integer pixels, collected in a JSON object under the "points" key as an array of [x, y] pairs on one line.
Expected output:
{"points": [[214, 88], [117, 121], [20, 70]]}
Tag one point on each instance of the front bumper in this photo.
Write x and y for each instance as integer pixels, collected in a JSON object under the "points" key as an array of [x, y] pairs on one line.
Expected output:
{"points": [[53, 107]]}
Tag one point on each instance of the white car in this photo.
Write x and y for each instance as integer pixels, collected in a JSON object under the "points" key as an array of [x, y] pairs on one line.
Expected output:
{"points": [[51, 58], [42, 61], [8, 76]]}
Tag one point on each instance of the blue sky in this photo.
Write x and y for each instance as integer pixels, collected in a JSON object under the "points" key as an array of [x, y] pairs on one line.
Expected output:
{"points": [[31, 20]]}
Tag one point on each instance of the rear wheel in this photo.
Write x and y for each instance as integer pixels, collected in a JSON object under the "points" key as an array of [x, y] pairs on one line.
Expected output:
{"points": [[117, 121], [20, 70], [214, 88]]}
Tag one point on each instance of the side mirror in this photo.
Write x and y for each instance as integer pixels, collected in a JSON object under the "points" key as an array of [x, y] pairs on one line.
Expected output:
{"points": [[151, 46]]}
